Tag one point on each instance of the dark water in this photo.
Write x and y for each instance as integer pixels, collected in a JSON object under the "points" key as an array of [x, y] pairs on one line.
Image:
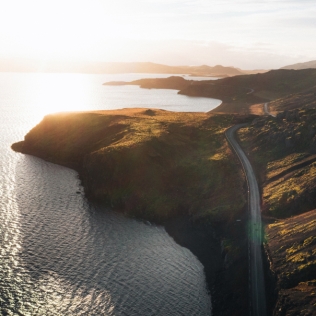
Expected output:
{"points": [[59, 255]]}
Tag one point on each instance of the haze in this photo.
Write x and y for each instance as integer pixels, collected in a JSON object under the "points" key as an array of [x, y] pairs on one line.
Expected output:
{"points": [[249, 34]]}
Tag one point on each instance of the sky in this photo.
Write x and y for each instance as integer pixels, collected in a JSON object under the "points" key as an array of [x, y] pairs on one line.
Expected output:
{"points": [[249, 34]]}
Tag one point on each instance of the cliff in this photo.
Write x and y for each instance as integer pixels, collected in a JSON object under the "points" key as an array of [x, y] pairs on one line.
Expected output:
{"points": [[151, 164], [167, 167]]}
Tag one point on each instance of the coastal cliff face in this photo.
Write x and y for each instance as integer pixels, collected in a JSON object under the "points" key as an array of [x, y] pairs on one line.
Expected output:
{"points": [[167, 167], [151, 164]]}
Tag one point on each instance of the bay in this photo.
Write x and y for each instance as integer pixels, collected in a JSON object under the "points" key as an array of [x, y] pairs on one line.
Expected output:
{"points": [[61, 255]]}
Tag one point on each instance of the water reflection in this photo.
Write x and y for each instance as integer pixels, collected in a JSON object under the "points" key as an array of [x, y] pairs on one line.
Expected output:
{"points": [[58, 254], [80, 259]]}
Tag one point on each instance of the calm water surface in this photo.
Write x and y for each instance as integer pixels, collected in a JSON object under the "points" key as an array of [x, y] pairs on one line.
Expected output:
{"points": [[59, 255]]}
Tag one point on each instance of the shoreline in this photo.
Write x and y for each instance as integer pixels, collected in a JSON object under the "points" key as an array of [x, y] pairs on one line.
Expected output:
{"points": [[226, 276], [119, 155]]}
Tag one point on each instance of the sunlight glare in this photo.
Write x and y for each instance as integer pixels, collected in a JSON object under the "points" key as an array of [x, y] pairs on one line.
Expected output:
{"points": [[57, 29], [56, 93]]}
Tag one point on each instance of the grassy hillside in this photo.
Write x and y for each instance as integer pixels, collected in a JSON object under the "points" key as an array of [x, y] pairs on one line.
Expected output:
{"points": [[302, 100], [152, 164], [292, 251], [239, 93], [167, 167], [283, 151]]}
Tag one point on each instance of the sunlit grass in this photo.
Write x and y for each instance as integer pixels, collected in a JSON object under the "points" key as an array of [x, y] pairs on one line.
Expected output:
{"points": [[149, 163], [281, 149]]}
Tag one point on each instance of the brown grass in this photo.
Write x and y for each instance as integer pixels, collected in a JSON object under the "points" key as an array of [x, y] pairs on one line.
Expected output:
{"points": [[149, 163], [291, 244]]}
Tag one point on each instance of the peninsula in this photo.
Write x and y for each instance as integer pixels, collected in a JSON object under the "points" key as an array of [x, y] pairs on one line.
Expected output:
{"points": [[165, 167], [178, 170], [245, 93]]}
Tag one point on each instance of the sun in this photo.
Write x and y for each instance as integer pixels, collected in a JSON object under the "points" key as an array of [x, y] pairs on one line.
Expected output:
{"points": [[62, 93], [56, 29]]}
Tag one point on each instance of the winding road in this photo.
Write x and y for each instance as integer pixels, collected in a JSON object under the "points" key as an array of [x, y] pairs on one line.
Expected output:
{"points": [[255, 230], [266, 111]]}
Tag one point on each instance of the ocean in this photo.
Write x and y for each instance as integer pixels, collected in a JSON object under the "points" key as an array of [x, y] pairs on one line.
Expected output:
{"points": [[60, 254]]}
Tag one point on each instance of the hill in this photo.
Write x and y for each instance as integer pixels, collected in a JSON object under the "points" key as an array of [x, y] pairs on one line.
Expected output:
{"points": [[283, 151], [240, 93], [298, 66], [137, 160], [12, 65], [292, 252], [302, 100], [167, 167], [173, 82], [203, 70]]}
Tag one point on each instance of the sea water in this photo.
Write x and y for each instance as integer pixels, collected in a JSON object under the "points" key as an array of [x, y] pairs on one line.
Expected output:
{"points": [[61, 255]]}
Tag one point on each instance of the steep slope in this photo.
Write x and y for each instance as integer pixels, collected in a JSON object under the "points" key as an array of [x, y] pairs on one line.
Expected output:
{"points": [[302, 100], [291, 245], [167, 167], [283, 151], [151, 164]]}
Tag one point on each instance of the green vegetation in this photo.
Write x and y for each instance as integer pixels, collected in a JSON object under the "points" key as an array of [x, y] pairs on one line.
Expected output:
{"points": [[283, 151], [302, 100], [291, 246], [152, 164]]}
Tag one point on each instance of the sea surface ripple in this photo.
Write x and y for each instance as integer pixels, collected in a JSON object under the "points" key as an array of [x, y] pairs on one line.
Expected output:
{"points": [[61, 255]]}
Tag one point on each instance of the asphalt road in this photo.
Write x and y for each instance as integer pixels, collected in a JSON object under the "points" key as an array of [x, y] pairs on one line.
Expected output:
{"points": [[255, 230], [265, 109]]}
